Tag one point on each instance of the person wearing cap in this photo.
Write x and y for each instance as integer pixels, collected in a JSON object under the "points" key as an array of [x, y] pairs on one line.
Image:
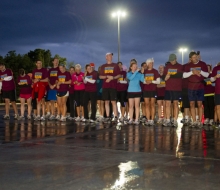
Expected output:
{"points": [[8, 91], [152, 79], [51, 90], [40, 82], [173, 74], [62, 85], [122, 87], [196, 71], [110, 72]]}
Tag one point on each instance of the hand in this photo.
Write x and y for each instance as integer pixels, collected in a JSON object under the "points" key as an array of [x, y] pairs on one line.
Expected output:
{"points": [[148, 81], [217, 76], [167, 77], [78, 83], [110, 77], [108, 80], [58, 86], [195, 72], [36, 80]]}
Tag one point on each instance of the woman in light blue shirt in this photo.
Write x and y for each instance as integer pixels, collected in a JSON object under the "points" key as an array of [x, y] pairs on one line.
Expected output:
{"points": [[134, 90]]}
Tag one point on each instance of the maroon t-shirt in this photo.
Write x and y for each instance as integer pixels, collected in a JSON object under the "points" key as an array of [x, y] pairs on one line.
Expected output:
{"points": [[52, 76], [63, 77], [216, 71], [111, 70], [196, 82], [7, 85], [150, 75], [90, 87], [209, 86], [120, 86], [161, 88], [174, 83], [25, 84], [40, 74]]}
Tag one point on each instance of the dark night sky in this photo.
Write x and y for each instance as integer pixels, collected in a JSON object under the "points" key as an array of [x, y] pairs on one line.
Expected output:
{"points": [[83, 30]]}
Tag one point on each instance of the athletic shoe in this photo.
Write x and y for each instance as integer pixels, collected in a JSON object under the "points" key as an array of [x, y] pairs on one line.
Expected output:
{"points": [[183, 121], [107, 120], [172, 120], [199, 124], [151, 122], [167, 123], [193, 124], [47, 116], [143, 119], [57, 118], [29, 117], [160, 121], [42, 118], [175, 123], [63, 119], [130, 122], [37, 118], [52, 117], [6, 117], [206, 122], [34, 116], [211, 121], [21, 118], [82, 119], [121, 119], [136, 122], [77, 119], [16, 116], [91, 121], [115, 119]]}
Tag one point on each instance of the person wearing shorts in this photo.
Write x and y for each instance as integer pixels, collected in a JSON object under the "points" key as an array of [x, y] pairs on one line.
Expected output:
{"points": [[134, 91], [24, 82], [8, 91], [40, 82], [79, 88], [160, 95], [51, 90], [196, 71], [110, 73], [62, 85], [173, 74], [122, 87]]}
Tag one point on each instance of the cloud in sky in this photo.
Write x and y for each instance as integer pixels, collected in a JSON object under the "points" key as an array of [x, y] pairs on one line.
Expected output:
{"points": [[83, 30]]}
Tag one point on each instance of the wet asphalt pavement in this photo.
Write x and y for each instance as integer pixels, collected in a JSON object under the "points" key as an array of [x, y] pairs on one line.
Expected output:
{"points": [[72, 155]]}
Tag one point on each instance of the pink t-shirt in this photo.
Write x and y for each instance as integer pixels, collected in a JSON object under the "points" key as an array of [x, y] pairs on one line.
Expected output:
{"points": [[78, 77]]}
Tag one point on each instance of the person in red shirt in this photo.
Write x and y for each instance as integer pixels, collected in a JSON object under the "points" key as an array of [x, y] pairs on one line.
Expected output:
{"points": [[8, 91], [173, 73], [196, 71], [110, 73], [152, 79]]}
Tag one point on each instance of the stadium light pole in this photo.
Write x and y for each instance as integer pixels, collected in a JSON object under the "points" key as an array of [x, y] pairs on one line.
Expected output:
{"points": [[182, 50], [119, 14]]}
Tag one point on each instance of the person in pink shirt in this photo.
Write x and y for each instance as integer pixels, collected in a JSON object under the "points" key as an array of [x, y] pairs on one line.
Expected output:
{"points": [[79, 88]]}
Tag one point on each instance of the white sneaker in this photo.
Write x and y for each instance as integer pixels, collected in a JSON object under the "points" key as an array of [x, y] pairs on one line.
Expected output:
{"points": [[57, 117], [42, 118], [63, 119], [91, 121], [121, 119], [83, 119], [77, 119], [160, 120], [47, 116], [29, 117], [52, 117], [175, 123], [136, 122], [130, 122], [151, 122], [206, 122], [211, 122], [37, 118]]}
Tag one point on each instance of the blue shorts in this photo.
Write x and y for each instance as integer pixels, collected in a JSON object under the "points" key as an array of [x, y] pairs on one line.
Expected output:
{"points": [[52, 95], [172, 95], [196, 95]]}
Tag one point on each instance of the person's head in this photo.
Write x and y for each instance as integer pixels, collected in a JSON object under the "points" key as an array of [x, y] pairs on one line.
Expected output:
{"points": [[172, 59], [161, 69], [78, 68], [72, 70], [39, 64], [55, 62], [133, 66], [209, 68], [144, 65], [88, 68], [21, 72], [193, 57], [150, 63], [109, 57], [218, 63], [62, 68], [120, 65], [2, 66], [92, 66]]}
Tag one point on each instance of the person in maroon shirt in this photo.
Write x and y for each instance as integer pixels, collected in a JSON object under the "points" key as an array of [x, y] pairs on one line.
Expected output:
{"points": [[122, 87], [152, 78], [62, 85], [173, 73], [110, 73], [40, 76], [160, 95], [196, 71], [8, 91], [24, 82], [52, 91], [90, 93]]}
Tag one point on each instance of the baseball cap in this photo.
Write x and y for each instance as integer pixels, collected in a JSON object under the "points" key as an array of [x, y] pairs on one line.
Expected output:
{"points": [[109, 53], [172, 57], [149, 60], [92, 64]]}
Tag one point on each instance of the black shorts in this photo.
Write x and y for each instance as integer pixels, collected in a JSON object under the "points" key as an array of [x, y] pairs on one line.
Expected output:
{"points": [[78, 96], [172, 95], [149, 94], [185, 98], [134, 95], [217, 99], [160, 97], [122, 97], [63, 94], [109, 94], [11, 95]]}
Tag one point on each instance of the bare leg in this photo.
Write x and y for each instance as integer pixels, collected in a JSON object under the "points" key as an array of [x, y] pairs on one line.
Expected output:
{"points": [[14, 107], [176, 109], [192, 110], [131, 108], [29, 106], [152, 108], [22, 100], [137, 107], [168, 105], [114, 107], [147, 107]]}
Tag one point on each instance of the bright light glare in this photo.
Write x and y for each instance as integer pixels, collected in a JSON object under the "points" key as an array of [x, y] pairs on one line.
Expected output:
{"points": [[113, 14], [182, 49], [119, 13]]}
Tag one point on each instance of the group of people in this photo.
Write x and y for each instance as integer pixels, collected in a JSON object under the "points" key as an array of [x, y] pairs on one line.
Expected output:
{"points": [[59, 94]]}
